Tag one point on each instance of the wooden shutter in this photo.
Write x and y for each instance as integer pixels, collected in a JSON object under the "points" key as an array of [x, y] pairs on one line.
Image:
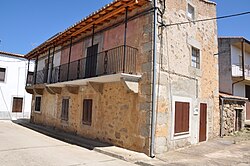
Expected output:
{"points": [[87, 111], [17, 104], [181, 117], [65, 109]]}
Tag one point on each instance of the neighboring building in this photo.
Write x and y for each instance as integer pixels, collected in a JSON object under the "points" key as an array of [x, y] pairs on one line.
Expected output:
{"points": [[234, 58], [103, 79], [15, 102]]}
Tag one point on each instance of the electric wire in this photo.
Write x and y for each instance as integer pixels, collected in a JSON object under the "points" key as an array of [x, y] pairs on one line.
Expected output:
{"points": [[208, 19]]}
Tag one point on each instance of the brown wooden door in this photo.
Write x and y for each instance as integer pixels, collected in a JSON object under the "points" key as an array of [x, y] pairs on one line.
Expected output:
{"points": [[247, 110], [91, 61], [247, 89], [17, 104], [203, 122]]}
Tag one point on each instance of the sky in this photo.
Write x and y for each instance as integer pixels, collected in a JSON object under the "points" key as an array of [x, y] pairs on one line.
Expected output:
{"points": [[24, 24]]}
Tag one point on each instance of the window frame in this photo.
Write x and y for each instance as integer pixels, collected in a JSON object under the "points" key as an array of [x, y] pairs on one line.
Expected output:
{"points": [[193, 15], [195, 60], [5, 74], [35, 109], [65, 110], [183, 134], [89, 118]]}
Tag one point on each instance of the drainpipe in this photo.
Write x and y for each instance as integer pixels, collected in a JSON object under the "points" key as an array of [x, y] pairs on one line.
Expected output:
{"points": [[153, 117], [221, 117]]}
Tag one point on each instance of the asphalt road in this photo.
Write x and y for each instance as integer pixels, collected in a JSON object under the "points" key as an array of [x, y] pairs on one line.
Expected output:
{"points": [[20, 146]]}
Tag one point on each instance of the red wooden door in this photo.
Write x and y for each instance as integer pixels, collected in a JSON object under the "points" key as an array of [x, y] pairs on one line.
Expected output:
{"points": [[203, 122], [247, 110]]}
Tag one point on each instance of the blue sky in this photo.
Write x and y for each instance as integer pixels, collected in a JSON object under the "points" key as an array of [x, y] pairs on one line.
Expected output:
{"points": [[26, 24]]}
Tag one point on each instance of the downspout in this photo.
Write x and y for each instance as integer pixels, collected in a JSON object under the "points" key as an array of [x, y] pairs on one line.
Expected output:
{"points": [[221, 117], [153, 116]]}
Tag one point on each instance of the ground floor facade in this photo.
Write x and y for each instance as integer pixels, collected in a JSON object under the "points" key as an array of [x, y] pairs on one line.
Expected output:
{"points": [[111, 113]]}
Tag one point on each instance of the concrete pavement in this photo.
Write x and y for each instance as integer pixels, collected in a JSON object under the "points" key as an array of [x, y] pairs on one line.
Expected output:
{"points": [[233, 150], [24, 147]]}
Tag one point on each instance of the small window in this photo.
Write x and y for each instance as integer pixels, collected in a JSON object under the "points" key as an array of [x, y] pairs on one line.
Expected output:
{"points": [[190, 12], [195, 57], [65, 109], [181, 125], [17, 104], [2, 74], [38, 103], [87, 111]]}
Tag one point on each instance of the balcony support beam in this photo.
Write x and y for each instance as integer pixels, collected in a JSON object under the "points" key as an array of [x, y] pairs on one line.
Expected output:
{"points": [[98, 87], [74, 89], [243, 58], [47, 75], [36, 69], [125, 39], [52, 64], [69, 57], [28, 72]]}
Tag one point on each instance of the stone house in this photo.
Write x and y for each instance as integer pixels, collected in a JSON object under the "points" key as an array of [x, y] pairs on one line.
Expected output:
{"points": [[15, 102], [128, 75], [234, 70]]}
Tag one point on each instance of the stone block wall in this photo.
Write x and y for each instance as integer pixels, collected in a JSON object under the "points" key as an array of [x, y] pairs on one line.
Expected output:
{"points": [[178, 80], [116, 116], [229, 115]]}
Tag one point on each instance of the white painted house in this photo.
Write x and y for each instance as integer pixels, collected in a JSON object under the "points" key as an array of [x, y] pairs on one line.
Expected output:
{"points": [[15, 102], [234, 68]]}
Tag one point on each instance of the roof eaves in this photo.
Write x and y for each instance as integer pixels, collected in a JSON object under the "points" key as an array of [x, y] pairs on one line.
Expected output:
{"points": [[12, 54]]}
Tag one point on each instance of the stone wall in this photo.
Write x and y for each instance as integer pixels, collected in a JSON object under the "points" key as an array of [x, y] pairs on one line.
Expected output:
{"points": [[116, 117], [178, 80], [229, 115]]}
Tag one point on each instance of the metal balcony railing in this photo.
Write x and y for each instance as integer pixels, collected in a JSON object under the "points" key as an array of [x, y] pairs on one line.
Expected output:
{"points": [[237, 70], [121, 59]]}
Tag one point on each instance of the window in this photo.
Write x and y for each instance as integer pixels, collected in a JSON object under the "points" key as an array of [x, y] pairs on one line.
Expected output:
{"points": [[181, 124], [17, 105], [87, 111], [190, 12], [2, 74], [38, 103], [65, 109], [195, 58]]}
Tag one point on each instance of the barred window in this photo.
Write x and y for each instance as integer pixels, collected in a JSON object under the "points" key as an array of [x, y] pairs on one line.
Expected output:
{"points": [[87, 112], [38, 103], [195, 58], [65, 109]]}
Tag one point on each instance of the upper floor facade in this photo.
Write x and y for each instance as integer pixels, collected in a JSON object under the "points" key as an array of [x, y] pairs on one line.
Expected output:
{"points": [[234, 64]]}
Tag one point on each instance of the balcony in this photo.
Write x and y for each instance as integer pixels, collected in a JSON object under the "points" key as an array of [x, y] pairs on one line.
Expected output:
{"points": [[237, 70], [107, 65]]}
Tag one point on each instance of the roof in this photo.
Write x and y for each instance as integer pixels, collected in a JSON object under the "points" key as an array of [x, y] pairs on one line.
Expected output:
{"points": [[106, 13], [12, 54], [227, 96], [234, 37]]}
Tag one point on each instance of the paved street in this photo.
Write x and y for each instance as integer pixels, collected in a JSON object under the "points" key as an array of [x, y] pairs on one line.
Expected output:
{"points": [[24, 147]]}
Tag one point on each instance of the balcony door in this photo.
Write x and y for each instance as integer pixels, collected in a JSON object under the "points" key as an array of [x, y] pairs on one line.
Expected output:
{"points": [[91, 61]]}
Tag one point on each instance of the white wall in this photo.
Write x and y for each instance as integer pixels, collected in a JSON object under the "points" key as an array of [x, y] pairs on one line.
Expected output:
{"points": [[14, 85], [236, 55], [239, 89]]}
